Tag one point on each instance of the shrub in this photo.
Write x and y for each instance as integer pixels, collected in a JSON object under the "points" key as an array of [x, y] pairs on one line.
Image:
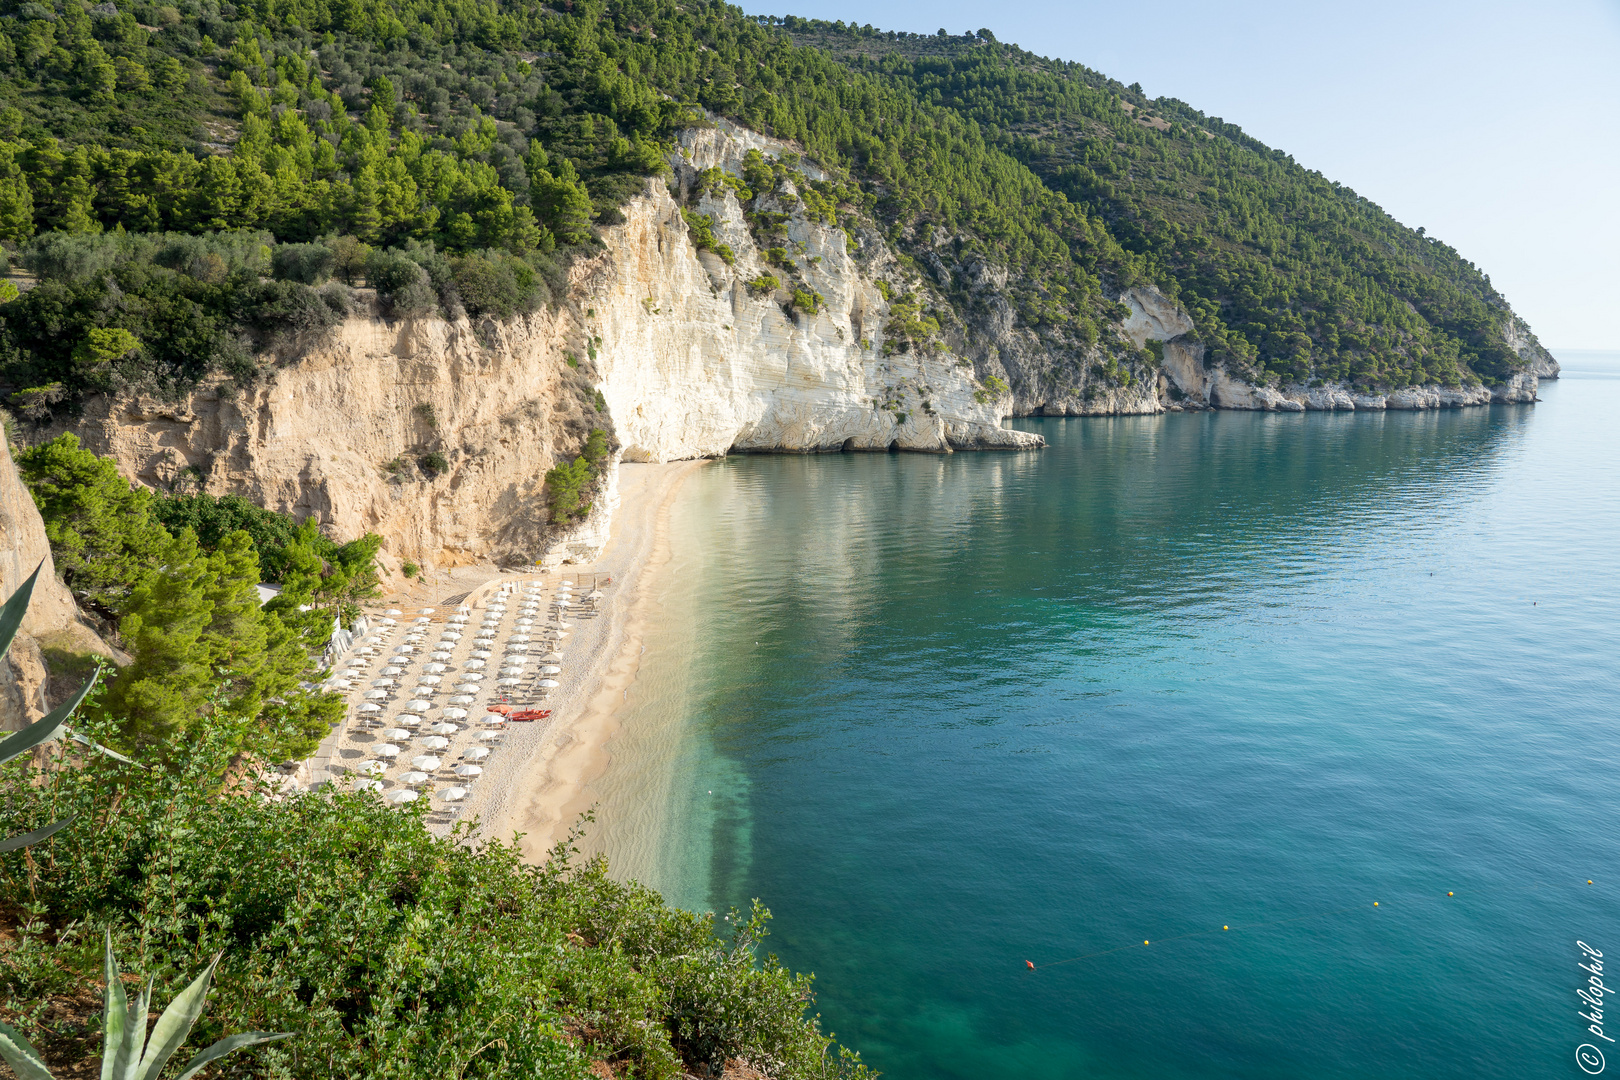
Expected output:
{"points": [[497, 286], [388, 950], [402, 285], [807, 302], [565, 488], [434, 463], [409, 569], [764, 285], [311, 264]]}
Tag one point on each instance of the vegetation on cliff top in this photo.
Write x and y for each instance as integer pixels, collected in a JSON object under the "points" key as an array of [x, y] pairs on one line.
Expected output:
{"points": [[501, 130]]}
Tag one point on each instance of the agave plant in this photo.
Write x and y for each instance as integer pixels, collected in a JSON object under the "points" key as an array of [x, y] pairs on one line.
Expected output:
{"points": [[11, 617], [127, 1053]]}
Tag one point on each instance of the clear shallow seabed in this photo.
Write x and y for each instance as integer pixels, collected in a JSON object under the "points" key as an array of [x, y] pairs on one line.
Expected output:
{"points": [[948, 714]]}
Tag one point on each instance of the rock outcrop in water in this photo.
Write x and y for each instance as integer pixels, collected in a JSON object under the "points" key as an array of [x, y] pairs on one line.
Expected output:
{"points": [[677, 354]]}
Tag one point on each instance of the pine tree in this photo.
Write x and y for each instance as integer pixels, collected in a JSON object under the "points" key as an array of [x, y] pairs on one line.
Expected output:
{"points": [[168, 686]]}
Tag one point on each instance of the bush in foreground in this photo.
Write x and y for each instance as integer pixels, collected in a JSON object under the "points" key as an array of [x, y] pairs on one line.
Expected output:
{"points": [[386, 950]]}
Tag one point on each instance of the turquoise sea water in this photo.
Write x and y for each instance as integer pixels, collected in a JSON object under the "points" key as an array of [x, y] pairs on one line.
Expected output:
{"points": [[948, 714]]}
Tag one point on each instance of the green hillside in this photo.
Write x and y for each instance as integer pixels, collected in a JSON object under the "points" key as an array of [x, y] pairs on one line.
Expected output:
{"points": [[479, 141]]}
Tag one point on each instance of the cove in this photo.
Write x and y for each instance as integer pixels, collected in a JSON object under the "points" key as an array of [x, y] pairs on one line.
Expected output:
{"points": [[946, 715]]}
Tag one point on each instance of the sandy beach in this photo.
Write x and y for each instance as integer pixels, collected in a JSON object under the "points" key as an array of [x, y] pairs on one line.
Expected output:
{"points": [[541, 783]]}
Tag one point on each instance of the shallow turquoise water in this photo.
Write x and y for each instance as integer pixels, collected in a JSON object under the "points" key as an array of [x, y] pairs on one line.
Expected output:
{"points": [[948, 714]]}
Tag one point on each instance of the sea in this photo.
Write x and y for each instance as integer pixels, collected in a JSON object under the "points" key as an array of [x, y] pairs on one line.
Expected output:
{"points": [[1281, 746]]}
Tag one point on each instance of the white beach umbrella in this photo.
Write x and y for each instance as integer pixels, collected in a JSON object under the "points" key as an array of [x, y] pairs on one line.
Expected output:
{"points": [[548, 684], [374, 639], [339, 684], [481, 654], [427, 763], [393, 611], [463, 699], [565, 584], [422, 621], [433, 669], [511, 672], [525, 622], [413, 778], [368, 785], [371, 768], [508, 682], [562, 633], [397, 733], [442, 728], [520, 647], [366, 650], [551, 669], [391, 670], [427, 611], [435, 742], [475, 753], [472, 677], [469, 770], [565, 603], [453, 794], [517, 639], [491, 736], [495, 719], [455, 714], [594, 594], [405, 650], [551, 658], [473, 665], [376, 695], [431, 680], [450, 635], [386, 750], [386, 621], [371, 706], [418, 705], [401, 796]]}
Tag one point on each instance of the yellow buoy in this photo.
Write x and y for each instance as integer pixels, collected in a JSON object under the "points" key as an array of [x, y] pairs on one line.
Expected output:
{"points": [[1226, 928], [1375, 903], [1144, 943], [1451, 894]]}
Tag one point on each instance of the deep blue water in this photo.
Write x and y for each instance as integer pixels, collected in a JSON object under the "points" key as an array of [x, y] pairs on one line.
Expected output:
{"points": [[1170, 674]]}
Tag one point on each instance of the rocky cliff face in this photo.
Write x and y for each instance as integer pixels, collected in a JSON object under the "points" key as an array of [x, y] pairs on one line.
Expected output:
{"points": [[697, 363], [347, 431], [52, 622], [438, 434]]}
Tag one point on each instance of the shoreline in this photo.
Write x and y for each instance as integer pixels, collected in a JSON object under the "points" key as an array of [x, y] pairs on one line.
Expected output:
{"points": [[546, 791]]}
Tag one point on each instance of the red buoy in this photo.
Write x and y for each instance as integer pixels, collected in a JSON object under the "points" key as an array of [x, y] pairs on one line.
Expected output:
{"points": [[1031, 964]]}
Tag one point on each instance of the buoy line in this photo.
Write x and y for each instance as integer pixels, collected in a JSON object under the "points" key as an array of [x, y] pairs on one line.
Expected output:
{"points": [[1147, 943]]}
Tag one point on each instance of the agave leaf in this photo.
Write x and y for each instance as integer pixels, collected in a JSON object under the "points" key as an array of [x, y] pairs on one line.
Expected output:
{"points": [[22, 840], [176, 1023], [118, 1026], [85, 740], [20, 1054], [226, 1045], [45, 728], [11, 616]]}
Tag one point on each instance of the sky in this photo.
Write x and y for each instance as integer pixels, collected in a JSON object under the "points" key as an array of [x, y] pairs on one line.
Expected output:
{"points": [[1496, 126]]}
